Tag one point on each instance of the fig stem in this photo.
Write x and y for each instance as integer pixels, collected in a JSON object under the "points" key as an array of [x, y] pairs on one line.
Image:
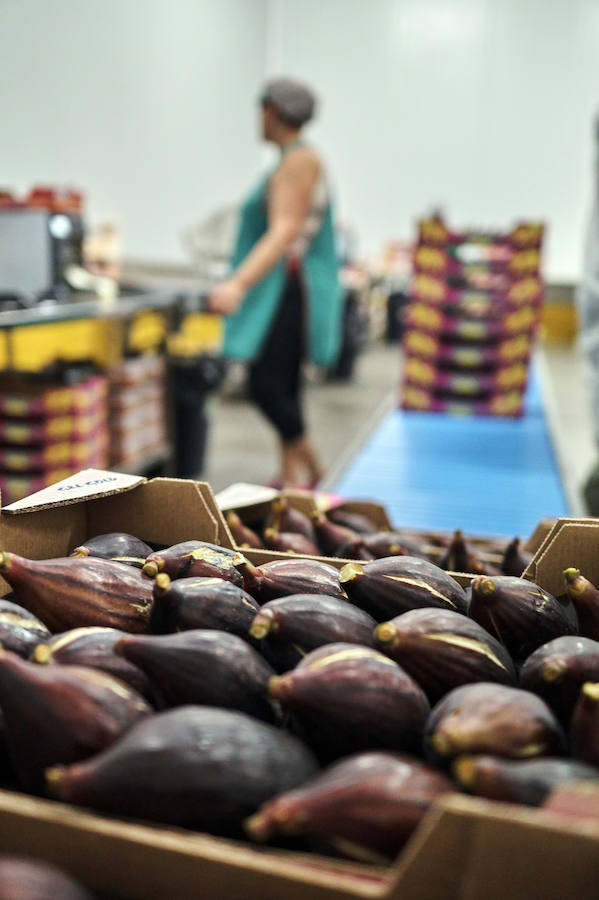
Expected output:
{"points": [[4, 560], [571, 574], [42, 654], [441, 744], [261, 626], [591, 690], [350, 571], [54, 780], [258, 827], [276, 686], [163, 581], [80, 551], [385, 632], [553, 671], [464, 770], [485, 586], [151, 568]]}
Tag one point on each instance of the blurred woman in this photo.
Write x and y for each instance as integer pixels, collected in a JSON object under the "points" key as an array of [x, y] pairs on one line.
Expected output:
{"points": [[283, 299]]}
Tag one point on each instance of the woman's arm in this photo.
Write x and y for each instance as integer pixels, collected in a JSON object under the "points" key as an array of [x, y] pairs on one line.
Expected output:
{"points": [[289, 200]]}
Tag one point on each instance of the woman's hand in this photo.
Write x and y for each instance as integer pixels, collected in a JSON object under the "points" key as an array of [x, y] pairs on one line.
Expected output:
{"points": [[226, 297]]}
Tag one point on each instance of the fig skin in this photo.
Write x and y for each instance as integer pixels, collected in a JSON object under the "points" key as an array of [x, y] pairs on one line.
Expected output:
{"points": [[584, 725], [442, 650], [388, 587], [194, 766], [386, 543], [242, 535], [355, 550], [313, 620], [73, 592], [585, 598], [193, 558], [190, 603], [515, 560], [520, 614], [26, 878], [357, 522], [365, 806], [491, 719], [527, 781], [118, 546], [207, 668], [284, 577], [289, 541], [346, 699], [459, 558], [92, 648], [557, 671], [72, 712], [330, 536], [20, 630]]}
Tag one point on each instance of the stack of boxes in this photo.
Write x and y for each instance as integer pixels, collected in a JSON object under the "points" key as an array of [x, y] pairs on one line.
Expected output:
{"points": [[48, 432], [137, 409], [475, 304]]}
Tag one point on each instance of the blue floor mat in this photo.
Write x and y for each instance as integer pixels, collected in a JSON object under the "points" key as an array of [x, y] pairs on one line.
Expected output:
{"points": [[483, 474]]}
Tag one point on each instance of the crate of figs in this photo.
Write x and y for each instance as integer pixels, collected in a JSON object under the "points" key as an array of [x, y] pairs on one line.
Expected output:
{"points": [[215, 722]]}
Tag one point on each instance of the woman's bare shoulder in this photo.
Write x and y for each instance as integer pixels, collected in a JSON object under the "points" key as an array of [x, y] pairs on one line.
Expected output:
{"points": [[301, 159]]}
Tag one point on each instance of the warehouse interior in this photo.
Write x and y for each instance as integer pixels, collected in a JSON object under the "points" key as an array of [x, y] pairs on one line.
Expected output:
{"points": [[299, 449]]}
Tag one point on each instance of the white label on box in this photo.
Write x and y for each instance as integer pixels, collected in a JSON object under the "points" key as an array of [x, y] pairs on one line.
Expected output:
{"points": [[242, 494], [86, 484]]}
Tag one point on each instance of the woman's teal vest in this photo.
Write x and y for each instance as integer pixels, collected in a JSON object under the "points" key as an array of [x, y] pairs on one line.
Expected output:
{"points": [[246, 330]]}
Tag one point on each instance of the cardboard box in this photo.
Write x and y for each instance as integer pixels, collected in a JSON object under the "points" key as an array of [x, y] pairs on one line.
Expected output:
{"points": [[464, 849], [568, 543]]}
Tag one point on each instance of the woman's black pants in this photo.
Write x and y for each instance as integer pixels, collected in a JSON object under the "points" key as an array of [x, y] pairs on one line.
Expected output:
{"points": [[275, 376]]}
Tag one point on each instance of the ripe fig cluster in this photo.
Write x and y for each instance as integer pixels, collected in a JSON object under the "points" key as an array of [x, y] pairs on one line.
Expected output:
{"points": [[291, 701]]}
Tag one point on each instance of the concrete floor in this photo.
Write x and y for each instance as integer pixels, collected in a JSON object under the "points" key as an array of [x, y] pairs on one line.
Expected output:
{"points": [[341, 416]]}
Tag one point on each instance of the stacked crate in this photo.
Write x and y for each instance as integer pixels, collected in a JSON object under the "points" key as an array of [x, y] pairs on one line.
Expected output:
{"points": [[50, 431], [475, 304], [137, 409]]}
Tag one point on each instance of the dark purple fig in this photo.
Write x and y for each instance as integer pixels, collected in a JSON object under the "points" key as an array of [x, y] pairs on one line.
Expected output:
{"points": [[366, 807], [289, 576], [518, 613], [94, 649], [442, 650], [347, 698], [388, 587], [584, 725], [558, 670], [8, 777], [330, 536], [284, 517], [459, 558], [193, 558], [312, 620], [208, 668], [357, 522], [515, 559], [118, 546], [286, 541], [25, 878], [72, 592], [20, 630], [61, 714], [385, 543], [355, 549], [585, 598], [492, 719], [193, 766], [190, 603], [526, 781], [242, 535]]}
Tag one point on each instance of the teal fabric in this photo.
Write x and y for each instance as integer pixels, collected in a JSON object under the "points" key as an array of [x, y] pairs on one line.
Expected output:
{"points": [[246, 330]]}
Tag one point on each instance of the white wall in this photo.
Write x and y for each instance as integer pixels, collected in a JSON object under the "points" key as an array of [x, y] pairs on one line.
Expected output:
{"points": [[481, 106], [149, 105]]}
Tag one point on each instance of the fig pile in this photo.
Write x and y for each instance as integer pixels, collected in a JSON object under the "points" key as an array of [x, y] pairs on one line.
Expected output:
{"points": [[350, 535], [326, 709]]}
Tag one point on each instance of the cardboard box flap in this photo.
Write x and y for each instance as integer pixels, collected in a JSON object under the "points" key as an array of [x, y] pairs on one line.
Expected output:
{"points": [[242, 494], [569, 543], [223, 534], [539, 535], [85, 485]]}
